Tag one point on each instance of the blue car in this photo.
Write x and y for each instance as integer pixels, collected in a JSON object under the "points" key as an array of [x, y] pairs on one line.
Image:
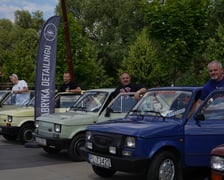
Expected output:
{"points": [[158, 137]]}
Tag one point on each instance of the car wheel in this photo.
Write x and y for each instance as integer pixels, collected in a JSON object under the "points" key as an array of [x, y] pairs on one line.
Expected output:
{"points": [[26, 133], [9, 137], [166, 166], [51, 150], [74, 148], [103, 172]]}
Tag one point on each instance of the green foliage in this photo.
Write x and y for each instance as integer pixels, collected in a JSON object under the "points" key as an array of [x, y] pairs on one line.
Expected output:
{"points": [[111, 25], [19, 46], [21, 59], [180, 27], [215, 47], [141, 61], [88, 71], [157, 43]]}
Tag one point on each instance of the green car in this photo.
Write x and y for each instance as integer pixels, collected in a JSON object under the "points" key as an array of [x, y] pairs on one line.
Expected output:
{"points": [[66, 130], [19, 122]]}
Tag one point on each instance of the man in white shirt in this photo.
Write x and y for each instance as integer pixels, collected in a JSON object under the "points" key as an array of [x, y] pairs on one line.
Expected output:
{"points": [[20, 90]]}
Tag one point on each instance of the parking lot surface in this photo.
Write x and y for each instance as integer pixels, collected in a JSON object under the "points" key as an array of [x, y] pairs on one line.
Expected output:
{"points": [[19, 162]]}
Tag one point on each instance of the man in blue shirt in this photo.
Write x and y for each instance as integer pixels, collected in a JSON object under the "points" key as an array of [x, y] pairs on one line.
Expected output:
{"points": [[216, 81]]}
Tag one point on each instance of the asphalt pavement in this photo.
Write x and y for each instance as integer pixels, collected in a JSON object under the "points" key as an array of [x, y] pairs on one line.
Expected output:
{"points": [[18, 162], [23, 162]]}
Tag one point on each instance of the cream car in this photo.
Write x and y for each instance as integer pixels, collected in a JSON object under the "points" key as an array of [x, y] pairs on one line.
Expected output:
{"points": [[59, 131], [19, 122]]}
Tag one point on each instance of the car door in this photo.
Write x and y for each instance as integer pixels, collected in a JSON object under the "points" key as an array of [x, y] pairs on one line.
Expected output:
{"points": [[205, 130]]}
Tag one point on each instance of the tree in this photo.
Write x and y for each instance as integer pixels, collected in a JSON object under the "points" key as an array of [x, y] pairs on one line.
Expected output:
{"points": [[23, 19], [180, 28], [88, 71], [19, 45], [21, 60], [26, 20], [141, 61], [111, 25]]}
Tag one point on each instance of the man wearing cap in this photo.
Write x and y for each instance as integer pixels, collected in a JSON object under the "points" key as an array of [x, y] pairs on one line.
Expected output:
{"points": [[19, 90]]}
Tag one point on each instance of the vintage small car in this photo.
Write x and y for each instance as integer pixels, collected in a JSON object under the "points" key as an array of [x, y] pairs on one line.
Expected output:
{"points": [[159, 137], [217, 162], [19, 122], [67, 130]]}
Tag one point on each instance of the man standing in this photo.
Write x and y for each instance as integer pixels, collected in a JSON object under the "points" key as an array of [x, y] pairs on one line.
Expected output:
{"points": [[216, 82], [19, 90], [69, 85], [128, 86]]}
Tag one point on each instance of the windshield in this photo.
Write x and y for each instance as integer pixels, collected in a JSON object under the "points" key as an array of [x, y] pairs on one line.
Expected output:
{"points": [[91, 101], [170, 103], [10, 100], [2, 93]]}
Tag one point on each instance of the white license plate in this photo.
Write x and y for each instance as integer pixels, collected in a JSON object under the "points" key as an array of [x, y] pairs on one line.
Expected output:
{"points": [[41, 141], [99, 161]]}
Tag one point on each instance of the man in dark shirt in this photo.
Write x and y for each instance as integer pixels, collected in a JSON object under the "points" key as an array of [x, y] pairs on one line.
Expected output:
{"points": [[69, 85], [127, 86], [216, 82]]}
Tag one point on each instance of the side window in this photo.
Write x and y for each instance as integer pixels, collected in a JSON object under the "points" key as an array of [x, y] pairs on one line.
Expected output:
{"points": [[123, 104], [213, 109], [67, 101]]}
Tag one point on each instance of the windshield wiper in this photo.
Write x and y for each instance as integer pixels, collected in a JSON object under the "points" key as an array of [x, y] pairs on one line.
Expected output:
{"points": [[76, 108], [157, 113]]}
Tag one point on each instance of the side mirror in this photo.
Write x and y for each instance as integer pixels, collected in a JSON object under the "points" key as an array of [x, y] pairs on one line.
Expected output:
{"points": [[200, 117], [108, 111]]}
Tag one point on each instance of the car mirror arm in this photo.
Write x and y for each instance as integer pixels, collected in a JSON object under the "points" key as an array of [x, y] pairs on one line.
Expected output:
{"points": [[108, 111]]}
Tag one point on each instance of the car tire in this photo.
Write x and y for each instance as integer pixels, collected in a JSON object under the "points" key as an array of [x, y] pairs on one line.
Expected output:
{"points": [[165, 165], [76, 143], [103, 172], [26, 133]]}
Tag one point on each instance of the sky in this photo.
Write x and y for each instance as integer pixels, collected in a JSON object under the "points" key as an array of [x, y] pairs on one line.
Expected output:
{"points": [[8, 7]]}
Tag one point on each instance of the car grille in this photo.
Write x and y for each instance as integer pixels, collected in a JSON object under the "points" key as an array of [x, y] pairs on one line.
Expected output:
{"points": [[102, 142]]}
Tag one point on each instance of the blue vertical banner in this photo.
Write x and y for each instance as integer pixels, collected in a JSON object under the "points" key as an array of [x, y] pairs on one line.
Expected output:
{"points": [[46, 67]]}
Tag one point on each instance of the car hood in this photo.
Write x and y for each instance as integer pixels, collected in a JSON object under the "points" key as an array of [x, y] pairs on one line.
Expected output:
{"points": [[18, 111], [139, 127], [70, 118]]}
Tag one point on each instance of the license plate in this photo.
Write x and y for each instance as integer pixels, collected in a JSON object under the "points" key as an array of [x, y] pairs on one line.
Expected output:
{"points": [[99, 161], [41, 141]]}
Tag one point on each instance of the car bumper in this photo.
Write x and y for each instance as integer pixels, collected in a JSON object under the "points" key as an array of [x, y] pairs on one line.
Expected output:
{"points": [[13, 131], [217, 175], [126, 164], [52, 142]]}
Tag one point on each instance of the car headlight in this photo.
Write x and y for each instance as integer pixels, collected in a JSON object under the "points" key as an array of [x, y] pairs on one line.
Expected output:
{"points": [[130, 142], [88, 144], [88, 135], [36, 124], [57, 128], [217, 163], [10, 118]]}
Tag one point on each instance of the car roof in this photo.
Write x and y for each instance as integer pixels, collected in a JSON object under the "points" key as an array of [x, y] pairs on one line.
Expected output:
{"points": [[102, 89], [186, 88]]}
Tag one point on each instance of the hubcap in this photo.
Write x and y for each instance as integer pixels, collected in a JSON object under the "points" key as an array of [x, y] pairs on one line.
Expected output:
{"points": [[167, 170], [28, 136]]}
